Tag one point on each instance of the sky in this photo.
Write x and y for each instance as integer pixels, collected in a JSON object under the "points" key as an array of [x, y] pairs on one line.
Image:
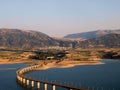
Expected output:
{"points": [[58, 18]]}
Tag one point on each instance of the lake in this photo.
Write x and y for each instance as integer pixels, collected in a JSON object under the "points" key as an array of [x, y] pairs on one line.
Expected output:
{"points": [[97, 77], [8, 76]]}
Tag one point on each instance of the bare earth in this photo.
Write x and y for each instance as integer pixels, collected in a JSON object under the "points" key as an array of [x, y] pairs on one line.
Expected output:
{"points": [[53, 63], [6, 61], [68, 63]]}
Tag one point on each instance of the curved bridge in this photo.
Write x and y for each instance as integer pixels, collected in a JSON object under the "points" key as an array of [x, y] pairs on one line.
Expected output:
{"points": [[31, 83]]}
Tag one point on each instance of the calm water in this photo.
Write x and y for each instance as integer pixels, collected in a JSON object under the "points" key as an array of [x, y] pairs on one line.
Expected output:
{"points": [[8, 77], [98, 77]]}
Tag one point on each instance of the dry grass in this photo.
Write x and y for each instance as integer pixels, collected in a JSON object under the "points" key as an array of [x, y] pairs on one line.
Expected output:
{"points": [[14, 57]]}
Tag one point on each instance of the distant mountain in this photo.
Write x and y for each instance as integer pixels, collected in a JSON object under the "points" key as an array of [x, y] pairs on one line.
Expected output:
{"points": [[107, 41], [66, 42], [92, 34], [27, 39], [24, 39]]}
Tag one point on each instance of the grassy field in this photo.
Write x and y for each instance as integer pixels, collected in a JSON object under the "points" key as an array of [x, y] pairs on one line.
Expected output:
{"points": [[93, 54], [14, 56], [73, 54]]}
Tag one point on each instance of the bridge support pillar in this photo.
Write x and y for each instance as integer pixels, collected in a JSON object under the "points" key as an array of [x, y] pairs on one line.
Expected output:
{"points": [[70, 89], [53, 87], [32, 84], [45, 86], [27, 82], [38, 85], [20, 80], [23, 81]]}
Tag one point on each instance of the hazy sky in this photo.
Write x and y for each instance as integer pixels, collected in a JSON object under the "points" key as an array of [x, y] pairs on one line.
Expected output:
{"points": [[60, 17]]}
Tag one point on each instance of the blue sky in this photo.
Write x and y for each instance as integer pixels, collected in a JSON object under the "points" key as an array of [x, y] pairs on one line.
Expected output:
{"points": [[60, 17]]}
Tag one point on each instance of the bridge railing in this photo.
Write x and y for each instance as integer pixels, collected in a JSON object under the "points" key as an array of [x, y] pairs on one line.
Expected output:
{"points": [[28, 82]]}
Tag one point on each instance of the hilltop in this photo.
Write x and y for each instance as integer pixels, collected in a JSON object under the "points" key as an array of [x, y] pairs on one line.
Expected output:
{"points": [[92, 34], [30, 40], [107, 41], [35, 40], [24, 39]]}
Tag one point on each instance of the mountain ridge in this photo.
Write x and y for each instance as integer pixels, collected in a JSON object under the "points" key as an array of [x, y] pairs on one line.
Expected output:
{"points": [[24, 39], [34, 40], [92, 34], [107, 41], [28, 39]]}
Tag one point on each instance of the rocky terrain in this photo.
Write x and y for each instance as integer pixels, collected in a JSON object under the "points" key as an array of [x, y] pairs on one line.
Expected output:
{"points": [[24, 39], [27, 39], [92, 34], [107, 41], [34, 40]]}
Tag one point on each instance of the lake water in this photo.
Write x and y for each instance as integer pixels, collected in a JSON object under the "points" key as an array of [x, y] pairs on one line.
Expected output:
{"points": [[97, 77], [8, 76]]}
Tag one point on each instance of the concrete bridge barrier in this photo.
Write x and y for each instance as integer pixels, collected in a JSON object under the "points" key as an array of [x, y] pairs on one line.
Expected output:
{"points": [[28, 82]]}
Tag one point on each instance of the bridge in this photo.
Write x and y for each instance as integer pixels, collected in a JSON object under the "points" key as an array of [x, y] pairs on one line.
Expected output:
{"points": [[31, 83]]}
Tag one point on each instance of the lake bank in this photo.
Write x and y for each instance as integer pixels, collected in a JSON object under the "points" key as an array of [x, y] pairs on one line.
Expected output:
{"points": [[67, 64], [45, 64], [7, 61]]}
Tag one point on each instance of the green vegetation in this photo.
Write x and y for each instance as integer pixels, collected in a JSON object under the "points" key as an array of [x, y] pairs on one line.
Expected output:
{"points": [[107, 41], [74, 54], [92, 54], [48, 55], [14, 55]]}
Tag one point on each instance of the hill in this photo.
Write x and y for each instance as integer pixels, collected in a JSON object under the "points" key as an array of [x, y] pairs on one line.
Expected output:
{"points": [[24, 39], [92, 34], [32, 40], [107, 41], [27, 39]]}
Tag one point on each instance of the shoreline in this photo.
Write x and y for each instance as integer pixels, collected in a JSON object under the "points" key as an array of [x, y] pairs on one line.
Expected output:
{"points": [[68, 65], [54, 64], [12, 62]]}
